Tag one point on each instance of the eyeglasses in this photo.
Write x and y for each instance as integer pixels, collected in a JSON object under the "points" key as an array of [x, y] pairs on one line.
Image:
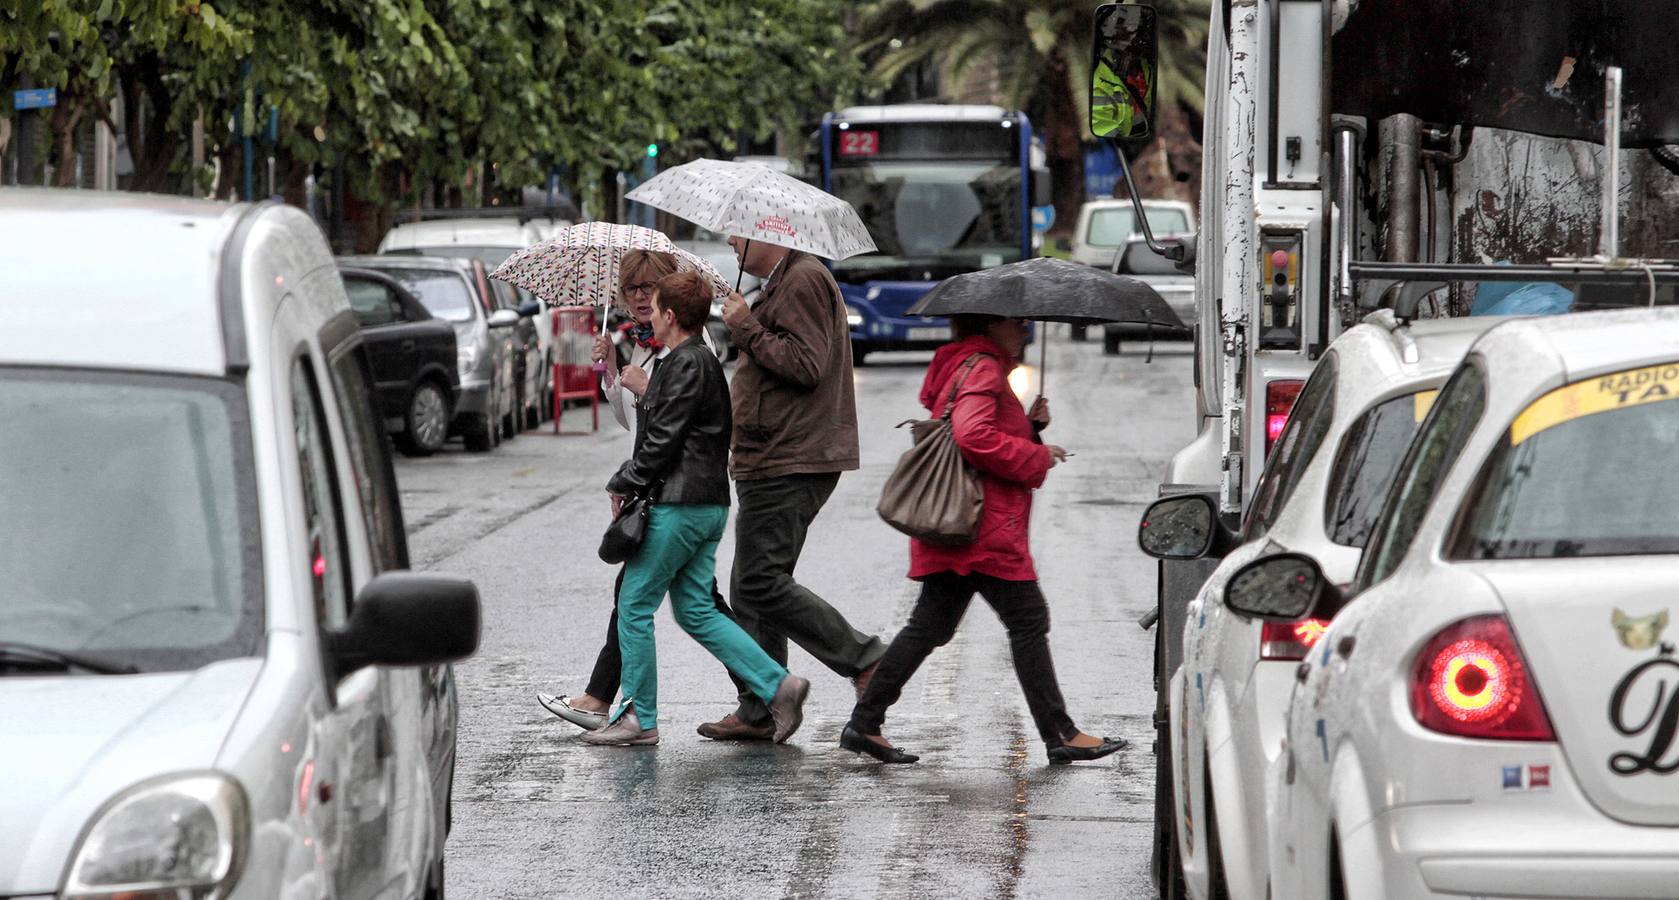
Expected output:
{"points": [[646, 287]]}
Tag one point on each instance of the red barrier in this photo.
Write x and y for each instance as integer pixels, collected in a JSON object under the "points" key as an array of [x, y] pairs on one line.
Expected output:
{"points": [[574, 375]]}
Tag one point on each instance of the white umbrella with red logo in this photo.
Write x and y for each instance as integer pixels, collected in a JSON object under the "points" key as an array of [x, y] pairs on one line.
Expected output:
{"points": [[753, 201]]}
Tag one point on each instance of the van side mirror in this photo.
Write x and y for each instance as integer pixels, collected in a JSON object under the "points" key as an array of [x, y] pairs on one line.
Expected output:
{"points": [[1286, 587], [408, 619], [1124, 71], [1184, 526]]}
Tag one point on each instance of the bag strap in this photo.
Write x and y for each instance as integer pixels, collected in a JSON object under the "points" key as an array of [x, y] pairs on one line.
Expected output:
{"points": [[961, 377]]}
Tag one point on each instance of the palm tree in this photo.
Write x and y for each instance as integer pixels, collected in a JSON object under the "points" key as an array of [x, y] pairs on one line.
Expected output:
{"points": [[1041, 51]]}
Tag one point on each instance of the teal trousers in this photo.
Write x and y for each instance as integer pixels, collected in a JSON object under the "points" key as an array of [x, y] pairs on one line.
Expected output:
{"points": [[679, 556]]}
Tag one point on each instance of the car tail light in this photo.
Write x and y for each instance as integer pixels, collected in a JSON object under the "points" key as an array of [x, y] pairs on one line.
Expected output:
{"points": [[1279, 399], [1472, 681], [1290, 640]]}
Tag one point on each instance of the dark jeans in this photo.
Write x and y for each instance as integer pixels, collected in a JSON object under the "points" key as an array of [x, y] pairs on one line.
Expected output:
{"points": [[770, 526], [609, 665], [944, 597]]}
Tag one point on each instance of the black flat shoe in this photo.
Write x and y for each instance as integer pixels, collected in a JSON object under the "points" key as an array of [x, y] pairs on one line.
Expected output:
{"points": [[1066, 753], [855, 741]]}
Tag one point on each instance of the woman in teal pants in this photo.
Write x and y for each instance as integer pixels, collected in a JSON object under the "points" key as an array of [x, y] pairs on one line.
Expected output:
{"points": [[681, 463]]}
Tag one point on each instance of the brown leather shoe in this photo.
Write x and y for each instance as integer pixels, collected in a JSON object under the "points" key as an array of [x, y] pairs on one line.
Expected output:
{"points": [[787, 708], [861, 679], [731, 728]]}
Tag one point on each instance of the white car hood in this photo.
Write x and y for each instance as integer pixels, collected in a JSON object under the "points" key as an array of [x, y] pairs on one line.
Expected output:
{"points": [[69, 744]]}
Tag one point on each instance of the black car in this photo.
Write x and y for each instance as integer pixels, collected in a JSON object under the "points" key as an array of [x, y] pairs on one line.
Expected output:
{"points": [[413, 357]]}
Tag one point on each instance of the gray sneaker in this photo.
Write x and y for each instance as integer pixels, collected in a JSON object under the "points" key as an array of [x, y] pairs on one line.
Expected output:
{"points": [[626, 732]]}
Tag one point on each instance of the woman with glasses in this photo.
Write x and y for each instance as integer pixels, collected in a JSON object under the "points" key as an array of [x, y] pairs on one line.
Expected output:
{"points": [[638, 273]]}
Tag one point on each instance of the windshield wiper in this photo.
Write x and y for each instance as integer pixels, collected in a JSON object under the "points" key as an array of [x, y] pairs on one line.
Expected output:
{"points": [[18, 656]]}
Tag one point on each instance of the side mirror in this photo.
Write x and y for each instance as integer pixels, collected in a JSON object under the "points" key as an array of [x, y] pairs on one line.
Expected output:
{"points": [[1190, 244], [1185, 526], [504, 318], [1124, 69], [409, 619], [529, 308], [1286, 587]]}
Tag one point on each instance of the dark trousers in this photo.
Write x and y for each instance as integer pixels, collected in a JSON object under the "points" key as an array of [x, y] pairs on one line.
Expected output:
{"points": [[609, 665], [771, 522], [944, 598]]}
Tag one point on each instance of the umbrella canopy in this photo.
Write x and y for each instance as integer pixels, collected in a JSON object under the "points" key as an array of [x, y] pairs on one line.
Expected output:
{"points": [[1051, 290], [579, 267], [753, 201]]}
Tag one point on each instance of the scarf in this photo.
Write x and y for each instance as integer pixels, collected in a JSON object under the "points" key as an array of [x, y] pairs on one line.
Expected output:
{"points": [[644, 338]]}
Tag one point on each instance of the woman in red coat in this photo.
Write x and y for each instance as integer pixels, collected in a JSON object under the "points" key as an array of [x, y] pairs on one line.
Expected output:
{"points": [[999, 438]]}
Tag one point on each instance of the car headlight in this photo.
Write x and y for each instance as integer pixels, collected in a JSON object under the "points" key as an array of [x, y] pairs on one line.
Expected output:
{"points": [[177, 837], [467, 357], [853, 317]]}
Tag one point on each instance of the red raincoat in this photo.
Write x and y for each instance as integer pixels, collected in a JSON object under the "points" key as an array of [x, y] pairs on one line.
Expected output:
{"points": [[995, 436]]}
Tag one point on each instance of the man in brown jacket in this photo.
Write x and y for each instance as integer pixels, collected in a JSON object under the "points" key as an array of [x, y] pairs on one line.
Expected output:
{"points": [[795, 431]]}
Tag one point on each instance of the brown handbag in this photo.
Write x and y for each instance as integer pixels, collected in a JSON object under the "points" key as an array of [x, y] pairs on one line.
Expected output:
{"points": [[933, 494]]}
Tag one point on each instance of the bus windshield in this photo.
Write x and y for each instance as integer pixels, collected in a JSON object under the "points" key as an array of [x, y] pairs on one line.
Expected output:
{"points": [[932, 219]]}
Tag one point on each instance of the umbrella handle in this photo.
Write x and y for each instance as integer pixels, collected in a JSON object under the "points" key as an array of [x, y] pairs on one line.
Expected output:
{"points": [[740, 271]]}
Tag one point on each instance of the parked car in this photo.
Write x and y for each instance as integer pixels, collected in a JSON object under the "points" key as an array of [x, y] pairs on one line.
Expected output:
{"points": [[1173, 286], [459, 292], [413, 356], [490, 236], [1492, 709], [1106, 226], [1322, 487], [215, 678]]}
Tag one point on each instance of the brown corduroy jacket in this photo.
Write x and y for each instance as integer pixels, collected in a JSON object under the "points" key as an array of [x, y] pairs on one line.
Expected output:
{"points": [[794, 407]]}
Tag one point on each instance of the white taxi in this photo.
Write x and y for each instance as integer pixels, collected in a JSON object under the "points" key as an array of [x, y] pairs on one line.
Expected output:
{"points": [[1492, 711], [1322, 487]]}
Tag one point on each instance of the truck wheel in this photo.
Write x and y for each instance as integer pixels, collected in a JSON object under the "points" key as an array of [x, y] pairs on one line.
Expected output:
{"points": [[426, 421], [1110, 343]]}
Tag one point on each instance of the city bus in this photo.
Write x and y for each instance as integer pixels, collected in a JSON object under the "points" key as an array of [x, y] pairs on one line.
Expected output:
{"points": [[943, 190]]}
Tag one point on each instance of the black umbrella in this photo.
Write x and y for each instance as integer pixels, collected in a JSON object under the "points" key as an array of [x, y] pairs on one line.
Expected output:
{"points": [[1048, 290]]}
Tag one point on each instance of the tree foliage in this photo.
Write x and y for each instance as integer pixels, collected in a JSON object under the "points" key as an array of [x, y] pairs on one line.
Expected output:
{"points": [[403, 94]]}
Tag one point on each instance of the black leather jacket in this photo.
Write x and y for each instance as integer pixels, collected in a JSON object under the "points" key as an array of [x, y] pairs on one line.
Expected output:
{"points": [[682, 430]]}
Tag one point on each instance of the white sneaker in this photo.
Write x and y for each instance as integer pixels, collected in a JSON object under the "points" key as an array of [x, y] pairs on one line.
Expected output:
{"points": [[626, 732]]}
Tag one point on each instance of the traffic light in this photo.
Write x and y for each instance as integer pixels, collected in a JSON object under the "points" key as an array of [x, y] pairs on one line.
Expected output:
{"points": [[652, 151]]}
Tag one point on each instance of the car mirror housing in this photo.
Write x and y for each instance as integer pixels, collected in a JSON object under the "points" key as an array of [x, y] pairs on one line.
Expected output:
{"points": [[529, 308], [1285, 587], [504, 318], [1185, 526], [409, 619]]}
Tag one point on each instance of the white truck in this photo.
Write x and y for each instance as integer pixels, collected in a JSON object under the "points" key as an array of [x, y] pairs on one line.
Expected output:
{"points": [[1401, 154]]}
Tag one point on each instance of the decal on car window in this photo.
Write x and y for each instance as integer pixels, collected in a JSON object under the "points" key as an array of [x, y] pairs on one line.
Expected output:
{"points": [[1423, 401], [1584, 398]]}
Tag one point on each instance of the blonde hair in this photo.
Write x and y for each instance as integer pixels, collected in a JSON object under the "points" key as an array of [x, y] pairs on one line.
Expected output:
{"points": [[640, 266]]}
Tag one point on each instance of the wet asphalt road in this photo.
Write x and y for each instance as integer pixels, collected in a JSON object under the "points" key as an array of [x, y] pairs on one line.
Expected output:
{"points": [[540, 814]]}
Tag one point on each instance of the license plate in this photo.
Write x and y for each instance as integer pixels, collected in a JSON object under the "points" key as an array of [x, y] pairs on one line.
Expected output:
{"points": [[932, 333]]}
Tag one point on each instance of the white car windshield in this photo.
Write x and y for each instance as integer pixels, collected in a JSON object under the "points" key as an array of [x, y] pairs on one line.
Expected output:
{"points": [[1585, 471], [1113, 227], [130, 531]]}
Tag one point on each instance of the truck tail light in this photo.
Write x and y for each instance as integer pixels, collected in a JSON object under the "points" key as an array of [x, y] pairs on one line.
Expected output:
{"points": [[1279, 399], [1472, 681], [1290, 640]]}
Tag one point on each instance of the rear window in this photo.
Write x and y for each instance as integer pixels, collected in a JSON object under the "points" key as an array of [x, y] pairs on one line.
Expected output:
{"points": [[1587, 470], [1113, 227], [1364, 467], [444, 294], [491, 257], [129, 532]]}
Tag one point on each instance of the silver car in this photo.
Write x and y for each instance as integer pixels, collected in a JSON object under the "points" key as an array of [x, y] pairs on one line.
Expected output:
{"points": [[215, 678]]}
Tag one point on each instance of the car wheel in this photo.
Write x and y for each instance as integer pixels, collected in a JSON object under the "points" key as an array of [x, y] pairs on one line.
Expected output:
{"points": [[480, 434], [857, 354], [1217, 889], [510, 419], [1168, 864], [1110, 343], [426, 421]]}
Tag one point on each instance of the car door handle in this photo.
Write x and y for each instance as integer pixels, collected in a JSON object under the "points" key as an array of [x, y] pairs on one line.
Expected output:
{"points": [[407, 346], [1302, 671], [1345, 647]]}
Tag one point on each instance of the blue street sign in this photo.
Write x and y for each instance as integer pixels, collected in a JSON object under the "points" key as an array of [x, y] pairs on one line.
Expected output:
{"points": [[36, 98], [1043, 218]]}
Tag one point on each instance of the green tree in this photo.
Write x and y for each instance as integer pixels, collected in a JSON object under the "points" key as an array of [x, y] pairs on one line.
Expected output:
{"points": [[1041, 50]]}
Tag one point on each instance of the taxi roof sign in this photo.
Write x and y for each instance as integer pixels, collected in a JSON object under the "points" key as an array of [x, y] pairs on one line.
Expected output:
{"points": [[1617, 390]]}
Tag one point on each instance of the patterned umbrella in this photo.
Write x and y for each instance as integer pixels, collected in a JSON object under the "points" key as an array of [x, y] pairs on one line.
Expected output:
{"points": [[754, 201], [579, 267]]}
